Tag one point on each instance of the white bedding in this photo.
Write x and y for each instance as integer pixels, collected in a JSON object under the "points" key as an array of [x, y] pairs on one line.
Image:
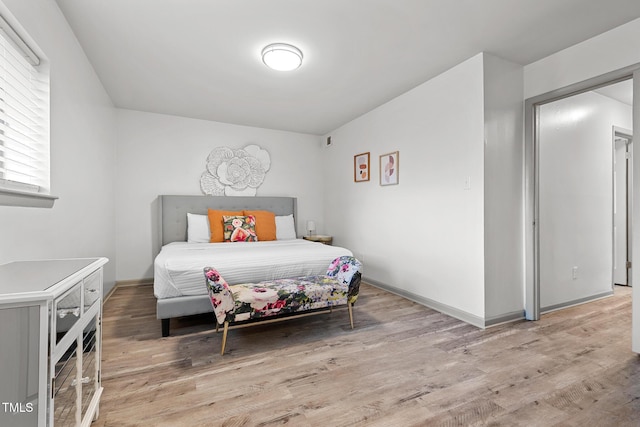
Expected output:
{"points": [[178, 269]]}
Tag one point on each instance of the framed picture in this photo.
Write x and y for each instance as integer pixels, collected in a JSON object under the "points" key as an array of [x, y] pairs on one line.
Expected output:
{"points": [[361, 170], [389, 165]]}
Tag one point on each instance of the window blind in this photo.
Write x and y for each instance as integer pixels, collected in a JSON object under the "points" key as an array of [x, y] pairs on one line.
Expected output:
{"points": [[24, 116]]}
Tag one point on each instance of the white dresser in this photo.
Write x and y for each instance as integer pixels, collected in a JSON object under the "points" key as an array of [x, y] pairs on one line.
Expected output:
{"points": [[50, 342]]}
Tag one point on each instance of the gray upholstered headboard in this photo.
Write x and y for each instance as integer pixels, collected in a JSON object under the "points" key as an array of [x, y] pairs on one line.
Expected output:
{"points": [[173, 210]]}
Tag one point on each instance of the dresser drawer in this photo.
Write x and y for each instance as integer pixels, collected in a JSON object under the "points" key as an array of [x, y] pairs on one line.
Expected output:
{"points": [[66, 309], [92, 289]]}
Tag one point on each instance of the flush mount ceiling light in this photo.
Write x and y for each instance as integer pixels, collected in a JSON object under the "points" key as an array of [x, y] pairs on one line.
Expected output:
{"points": [[282, 57]]}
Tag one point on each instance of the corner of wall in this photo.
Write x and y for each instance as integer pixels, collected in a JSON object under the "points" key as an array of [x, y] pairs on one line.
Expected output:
{"points": [[504, 189]]}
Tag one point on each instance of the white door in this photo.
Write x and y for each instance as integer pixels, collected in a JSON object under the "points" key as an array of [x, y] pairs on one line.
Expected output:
{"points": [[621, 162]]}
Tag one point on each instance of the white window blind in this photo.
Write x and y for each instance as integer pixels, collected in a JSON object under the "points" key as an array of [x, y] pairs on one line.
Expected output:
{"points": [[24, 116]]}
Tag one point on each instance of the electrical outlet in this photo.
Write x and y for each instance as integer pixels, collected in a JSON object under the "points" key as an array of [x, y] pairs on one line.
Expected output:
{"points": [[574, 273]]}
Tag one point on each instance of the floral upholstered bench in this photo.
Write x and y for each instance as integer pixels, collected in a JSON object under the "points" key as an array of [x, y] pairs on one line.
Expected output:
{"points": [[264, 300]]}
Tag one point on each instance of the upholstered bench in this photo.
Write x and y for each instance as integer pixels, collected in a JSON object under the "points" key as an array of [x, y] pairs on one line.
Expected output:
{"points": [[246, 302]]}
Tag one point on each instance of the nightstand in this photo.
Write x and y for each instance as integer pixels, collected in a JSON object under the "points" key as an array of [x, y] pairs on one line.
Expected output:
{"points": [[327, 240]]}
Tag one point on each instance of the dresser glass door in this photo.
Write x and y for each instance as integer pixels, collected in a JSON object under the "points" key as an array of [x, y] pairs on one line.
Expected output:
{"points": [[90, 365], [65, 402]]}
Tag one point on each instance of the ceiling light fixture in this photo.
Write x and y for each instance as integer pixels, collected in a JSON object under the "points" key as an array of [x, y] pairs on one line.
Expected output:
{"points": [[282, 57]]}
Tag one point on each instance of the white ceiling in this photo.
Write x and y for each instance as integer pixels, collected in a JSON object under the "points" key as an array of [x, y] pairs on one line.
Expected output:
{"points": [[200, 58]]}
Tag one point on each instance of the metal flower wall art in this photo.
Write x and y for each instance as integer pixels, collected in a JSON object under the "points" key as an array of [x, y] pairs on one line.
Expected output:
{"points": [[235, 172]]}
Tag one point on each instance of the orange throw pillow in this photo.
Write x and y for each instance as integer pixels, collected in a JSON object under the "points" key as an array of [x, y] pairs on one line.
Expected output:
{"points": [[215, 224], [265, 224]]}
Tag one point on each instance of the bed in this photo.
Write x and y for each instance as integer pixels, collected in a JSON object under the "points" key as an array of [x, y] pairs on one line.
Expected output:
{"points": [[179, 284]]}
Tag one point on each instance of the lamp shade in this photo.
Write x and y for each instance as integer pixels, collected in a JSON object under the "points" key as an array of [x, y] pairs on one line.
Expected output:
{"points": [[311, 226], [282, 57]]}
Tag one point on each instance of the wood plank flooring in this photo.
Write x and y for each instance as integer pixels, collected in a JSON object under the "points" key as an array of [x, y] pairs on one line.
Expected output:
{"points": [[402, 365]]}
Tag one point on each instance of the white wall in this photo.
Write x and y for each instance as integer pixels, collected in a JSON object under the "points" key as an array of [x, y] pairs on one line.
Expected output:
{"points": [[424, 236], [576, 195], [503, 199], [161, 154], [82, 221], [610, 51]]}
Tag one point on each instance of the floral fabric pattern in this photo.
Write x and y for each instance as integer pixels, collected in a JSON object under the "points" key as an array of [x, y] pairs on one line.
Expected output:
{"points": [[219, 293], [343, 270], [239, 228], [247, 301]]}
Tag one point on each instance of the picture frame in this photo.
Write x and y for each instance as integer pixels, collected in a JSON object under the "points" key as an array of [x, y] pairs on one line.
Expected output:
{"points": [[389, 168], [361, 167]]}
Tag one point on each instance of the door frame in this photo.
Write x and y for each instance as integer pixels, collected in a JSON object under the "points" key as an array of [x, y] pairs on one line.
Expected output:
{"points": [[531, 170]]}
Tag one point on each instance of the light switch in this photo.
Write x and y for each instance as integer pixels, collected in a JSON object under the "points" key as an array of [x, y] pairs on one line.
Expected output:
{"points": [[467, 183]]}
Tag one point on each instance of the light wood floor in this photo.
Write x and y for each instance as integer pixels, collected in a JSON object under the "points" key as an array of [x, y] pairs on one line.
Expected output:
{"points": [[403, 365]]}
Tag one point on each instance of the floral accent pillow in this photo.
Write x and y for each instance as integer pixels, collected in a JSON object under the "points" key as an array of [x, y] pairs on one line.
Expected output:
{"points": [[239, 228]]}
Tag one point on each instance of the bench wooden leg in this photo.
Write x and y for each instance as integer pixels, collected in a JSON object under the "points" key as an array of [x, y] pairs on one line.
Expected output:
{"points": [[217, 326], [224, 337], [350, 313]]}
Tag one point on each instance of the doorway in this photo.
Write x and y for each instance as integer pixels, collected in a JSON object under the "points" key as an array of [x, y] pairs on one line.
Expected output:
{"points": [[576, 195], [532, 188]]}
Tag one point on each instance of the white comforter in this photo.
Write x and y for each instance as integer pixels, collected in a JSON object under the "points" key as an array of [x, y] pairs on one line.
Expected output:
{"points": [[178, 269]]}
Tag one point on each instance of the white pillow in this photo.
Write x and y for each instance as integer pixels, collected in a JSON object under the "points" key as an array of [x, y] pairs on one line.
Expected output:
{"points": [[198, 228], [285, 229]]}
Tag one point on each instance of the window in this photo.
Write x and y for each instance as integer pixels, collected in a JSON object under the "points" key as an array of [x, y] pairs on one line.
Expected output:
{"points": [[24, 118]]}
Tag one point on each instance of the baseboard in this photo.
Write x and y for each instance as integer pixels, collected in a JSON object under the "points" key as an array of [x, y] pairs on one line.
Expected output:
{"points": [[576, 302], [126, 283], [108, 295], [504, 318], [438, 306], [134, 282]]}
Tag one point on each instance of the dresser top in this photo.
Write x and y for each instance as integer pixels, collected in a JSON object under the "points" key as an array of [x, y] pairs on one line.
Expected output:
{"points": [[27, 277]]}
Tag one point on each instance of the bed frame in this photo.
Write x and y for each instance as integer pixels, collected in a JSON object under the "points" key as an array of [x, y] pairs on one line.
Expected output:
{"points": [[172, 227]]}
